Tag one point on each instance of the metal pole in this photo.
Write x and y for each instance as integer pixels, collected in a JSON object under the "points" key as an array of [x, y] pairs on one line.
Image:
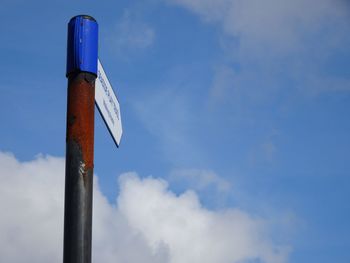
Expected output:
{"points": [[81, 74]]}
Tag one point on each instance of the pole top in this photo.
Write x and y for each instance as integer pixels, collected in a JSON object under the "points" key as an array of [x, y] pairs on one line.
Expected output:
{"points": [[84, 17], [82, 45]]}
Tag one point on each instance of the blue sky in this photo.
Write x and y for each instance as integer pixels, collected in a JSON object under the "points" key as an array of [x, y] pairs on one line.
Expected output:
{"points": [[244, 104]]}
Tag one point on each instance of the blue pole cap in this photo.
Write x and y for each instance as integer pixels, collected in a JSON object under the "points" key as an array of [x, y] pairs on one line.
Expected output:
{"points": [[82, 45]]}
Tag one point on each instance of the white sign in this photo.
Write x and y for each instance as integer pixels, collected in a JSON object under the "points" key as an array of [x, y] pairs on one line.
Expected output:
{"points": [[108, 105]]}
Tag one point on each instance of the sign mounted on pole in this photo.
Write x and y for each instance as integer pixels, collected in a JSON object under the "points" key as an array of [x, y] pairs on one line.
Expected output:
{"points": [[108, 105]]}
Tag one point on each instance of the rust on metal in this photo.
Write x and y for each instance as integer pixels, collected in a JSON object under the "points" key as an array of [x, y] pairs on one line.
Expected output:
{"points": [[80, 115]]}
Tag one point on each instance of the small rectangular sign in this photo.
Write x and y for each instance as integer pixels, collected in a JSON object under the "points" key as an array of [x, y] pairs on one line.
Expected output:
{"points": [[108, 105]]}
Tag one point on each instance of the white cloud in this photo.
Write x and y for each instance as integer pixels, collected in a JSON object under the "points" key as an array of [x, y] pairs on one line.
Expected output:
{"points": [[31, 209], [149, 223], [191, 232], [274, 40], [280, 24], [201, 179]]}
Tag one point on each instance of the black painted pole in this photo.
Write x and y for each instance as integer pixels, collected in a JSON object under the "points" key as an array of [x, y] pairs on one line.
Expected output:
{"points": [[81, 74]]}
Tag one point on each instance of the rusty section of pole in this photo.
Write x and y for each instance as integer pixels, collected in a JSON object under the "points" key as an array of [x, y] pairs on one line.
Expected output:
{"points": [[81, 73], [79, 169], [80, 114]]}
